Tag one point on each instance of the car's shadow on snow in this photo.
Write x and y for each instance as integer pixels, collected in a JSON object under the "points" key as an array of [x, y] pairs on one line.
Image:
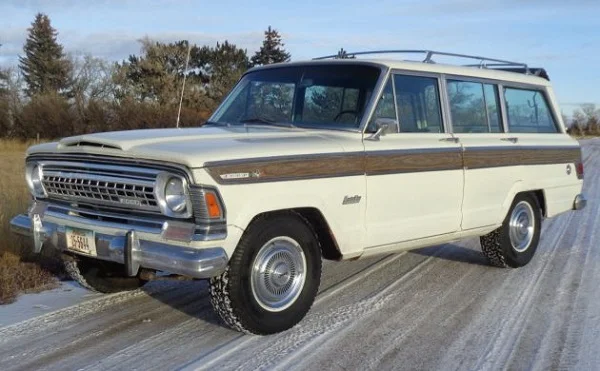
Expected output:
{"points": [[455, 253], [190, 297]]}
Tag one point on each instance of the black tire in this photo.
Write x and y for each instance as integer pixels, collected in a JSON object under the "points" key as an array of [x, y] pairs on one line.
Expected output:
{"points": [[497, 245], [232, 293], [100, 276]]}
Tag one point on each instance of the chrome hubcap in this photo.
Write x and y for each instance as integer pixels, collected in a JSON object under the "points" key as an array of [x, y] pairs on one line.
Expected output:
{"points": [[278, 274], [521, 226]]}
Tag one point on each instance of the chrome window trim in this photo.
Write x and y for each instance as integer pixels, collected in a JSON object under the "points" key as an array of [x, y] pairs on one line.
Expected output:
{"points": [[500, 88], [368, 109], [372, 105], [438, 76], [454, 78], [391, 78], [544, 92], [445, 103]]}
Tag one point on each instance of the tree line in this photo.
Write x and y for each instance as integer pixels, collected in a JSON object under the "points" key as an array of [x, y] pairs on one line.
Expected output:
{"points": [[585, 121], [51, 94]]}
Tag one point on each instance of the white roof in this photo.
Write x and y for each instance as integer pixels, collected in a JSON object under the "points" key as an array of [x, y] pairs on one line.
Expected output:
{"points": [[484, 73]]}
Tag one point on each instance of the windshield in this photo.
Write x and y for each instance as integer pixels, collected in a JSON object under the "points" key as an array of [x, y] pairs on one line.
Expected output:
{"points": [[321, 96]]}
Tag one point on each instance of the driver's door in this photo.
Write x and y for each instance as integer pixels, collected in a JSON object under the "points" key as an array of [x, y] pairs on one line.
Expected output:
{"points": [[414, 176]]}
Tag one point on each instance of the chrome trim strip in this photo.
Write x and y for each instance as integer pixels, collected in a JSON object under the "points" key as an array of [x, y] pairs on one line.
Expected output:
{"points": [[519, 148], [128, 170], [92, 176], [91, 159], [307, 157], [374, 99], [201, 232], [354, 167]]}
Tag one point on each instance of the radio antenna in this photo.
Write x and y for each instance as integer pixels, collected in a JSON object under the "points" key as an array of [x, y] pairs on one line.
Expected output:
{"points": [[187, 61]]}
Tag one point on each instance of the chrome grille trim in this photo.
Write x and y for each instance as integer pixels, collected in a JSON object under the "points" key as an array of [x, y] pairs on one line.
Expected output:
{"points": [[101, 184], [82, 203], [101, 169]]}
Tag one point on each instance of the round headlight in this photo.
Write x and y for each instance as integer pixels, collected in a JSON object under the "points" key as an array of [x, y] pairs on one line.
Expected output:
{"points": [[34, 180], [175, 196]]}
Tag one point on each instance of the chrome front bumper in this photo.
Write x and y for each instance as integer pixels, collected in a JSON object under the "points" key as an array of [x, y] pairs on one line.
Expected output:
{"points": [[580, 202], [124, 246]]}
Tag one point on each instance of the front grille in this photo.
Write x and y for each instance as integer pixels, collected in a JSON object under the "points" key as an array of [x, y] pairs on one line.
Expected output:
{"points": [[83, 188], [101, 184]]}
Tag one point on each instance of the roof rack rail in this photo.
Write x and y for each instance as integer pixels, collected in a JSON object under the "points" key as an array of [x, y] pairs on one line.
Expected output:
{"points": [[484, 62]]}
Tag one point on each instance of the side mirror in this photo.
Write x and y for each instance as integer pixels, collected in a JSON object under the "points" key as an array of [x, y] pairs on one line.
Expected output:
{"points": [[382, 127]]}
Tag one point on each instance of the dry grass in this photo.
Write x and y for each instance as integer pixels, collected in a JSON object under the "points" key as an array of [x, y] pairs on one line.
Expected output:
{"points": [[19, 270]]}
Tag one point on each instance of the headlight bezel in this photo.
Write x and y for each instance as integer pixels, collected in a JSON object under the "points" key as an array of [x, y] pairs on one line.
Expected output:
{"points": [[160, 192], [36, 186]]}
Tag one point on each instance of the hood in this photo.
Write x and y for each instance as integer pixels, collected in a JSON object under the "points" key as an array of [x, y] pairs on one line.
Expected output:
{"points": [[193, 147]]}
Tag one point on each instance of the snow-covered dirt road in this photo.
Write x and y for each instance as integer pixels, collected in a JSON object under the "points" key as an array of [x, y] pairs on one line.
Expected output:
{"points": [[436, 308]]}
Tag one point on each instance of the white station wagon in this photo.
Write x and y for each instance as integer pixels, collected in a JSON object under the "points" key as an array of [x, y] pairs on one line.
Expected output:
{"points": [[334, 158]]}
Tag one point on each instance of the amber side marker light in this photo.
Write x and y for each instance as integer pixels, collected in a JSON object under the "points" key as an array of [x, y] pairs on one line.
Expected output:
{"points": [[212, 205]]}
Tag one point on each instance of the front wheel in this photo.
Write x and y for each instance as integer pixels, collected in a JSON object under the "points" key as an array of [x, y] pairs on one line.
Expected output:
{"points": [[272, 278], [515, 242]]}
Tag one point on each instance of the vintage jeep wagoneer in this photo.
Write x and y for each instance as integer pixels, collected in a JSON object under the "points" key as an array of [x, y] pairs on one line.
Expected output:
{"points": [[335, 158]]}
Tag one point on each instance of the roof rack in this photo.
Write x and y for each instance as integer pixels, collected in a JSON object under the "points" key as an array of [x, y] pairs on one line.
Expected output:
{"points": [[484, 62]]}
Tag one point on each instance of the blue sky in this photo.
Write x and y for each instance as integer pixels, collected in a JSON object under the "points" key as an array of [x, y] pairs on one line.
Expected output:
{"points": [[562, 36]]}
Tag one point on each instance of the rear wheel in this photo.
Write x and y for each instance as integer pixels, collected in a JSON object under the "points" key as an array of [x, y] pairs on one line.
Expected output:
{"points": [[515, 242], [100, 276], [272, 278]]}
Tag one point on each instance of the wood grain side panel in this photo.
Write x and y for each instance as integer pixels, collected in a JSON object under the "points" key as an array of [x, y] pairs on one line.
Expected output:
{"points": [[484, 158], [385, 162], [409, 162], [288, 169]]}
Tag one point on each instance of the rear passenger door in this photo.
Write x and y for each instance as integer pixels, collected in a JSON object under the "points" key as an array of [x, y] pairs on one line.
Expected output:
{"points": [[476, 114], [414, 175]]}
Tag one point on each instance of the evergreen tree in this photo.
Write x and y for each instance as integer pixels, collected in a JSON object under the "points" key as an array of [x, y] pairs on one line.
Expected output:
{"points": [[44, 66], [271, 51]]}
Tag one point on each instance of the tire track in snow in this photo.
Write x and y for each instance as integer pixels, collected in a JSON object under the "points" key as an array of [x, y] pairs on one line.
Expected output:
{"points": [[317, 326], [222, 353]]}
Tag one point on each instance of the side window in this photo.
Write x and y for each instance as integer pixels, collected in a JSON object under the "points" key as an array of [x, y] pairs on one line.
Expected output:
{"points": [[474, 107], [418, 102], [528, 111], [385, 108]]}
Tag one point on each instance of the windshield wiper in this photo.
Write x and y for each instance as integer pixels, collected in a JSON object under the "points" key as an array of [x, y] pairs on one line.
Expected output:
{"points": [[215, 123], [264, 121]]}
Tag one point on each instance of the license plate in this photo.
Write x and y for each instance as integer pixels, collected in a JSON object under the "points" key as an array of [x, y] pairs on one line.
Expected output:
{"points": [[81, 240]]}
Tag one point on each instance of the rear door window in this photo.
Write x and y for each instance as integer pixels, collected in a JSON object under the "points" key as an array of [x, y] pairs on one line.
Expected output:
{"points": [[474, 107], [528, 111]]}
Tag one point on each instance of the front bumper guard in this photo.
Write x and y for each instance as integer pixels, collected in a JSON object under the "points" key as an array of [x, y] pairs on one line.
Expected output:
{"points": [[126, 247]]}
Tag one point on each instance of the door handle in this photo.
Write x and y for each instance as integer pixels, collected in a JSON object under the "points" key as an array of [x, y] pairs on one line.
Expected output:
{"points": [[511, 139], [452, 139]]}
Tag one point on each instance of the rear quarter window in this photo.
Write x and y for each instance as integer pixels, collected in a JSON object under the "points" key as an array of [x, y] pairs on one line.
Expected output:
{"points": [[528, 111]]}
